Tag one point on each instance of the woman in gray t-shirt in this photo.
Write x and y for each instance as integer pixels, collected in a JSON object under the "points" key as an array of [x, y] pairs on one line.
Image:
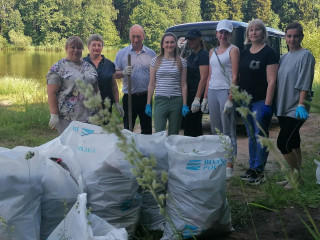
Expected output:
{"points": [[295, 77]]}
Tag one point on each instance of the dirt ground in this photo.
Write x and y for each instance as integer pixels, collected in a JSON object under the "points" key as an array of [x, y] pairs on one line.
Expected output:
{"points": [[269, 224]]}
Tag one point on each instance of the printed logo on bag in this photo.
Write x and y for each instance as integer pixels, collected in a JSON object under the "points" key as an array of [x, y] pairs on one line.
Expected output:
{"points": [[84, 131], [206, 164], [190, 231], [86, 149], [194, 164]]}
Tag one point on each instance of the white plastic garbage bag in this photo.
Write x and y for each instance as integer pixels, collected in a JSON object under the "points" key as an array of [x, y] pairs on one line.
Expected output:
{"points": [[317, 171], [151, 145], [56, 149], [112, 189], [196, 186], [60, 192], [79, 224], [20, 194]]}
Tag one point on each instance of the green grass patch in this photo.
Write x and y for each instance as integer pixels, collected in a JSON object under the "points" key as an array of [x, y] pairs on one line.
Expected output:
{"points": [[24, 113]]}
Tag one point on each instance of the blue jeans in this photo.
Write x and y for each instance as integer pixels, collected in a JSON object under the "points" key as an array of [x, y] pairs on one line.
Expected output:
{"points": [[257, 155]]}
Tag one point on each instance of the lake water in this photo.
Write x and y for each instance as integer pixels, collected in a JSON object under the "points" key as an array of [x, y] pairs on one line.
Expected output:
{"points": [[34, 64]]}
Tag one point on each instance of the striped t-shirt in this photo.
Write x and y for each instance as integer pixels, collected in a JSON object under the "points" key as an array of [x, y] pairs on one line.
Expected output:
{"points": [[168, 77]]}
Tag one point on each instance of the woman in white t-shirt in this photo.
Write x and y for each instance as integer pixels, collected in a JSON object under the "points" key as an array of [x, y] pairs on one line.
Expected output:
{"points": [[168, 74], [223, 71]]}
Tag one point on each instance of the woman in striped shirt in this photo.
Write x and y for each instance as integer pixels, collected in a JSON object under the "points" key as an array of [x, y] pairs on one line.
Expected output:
{"points": [[168, 79]]}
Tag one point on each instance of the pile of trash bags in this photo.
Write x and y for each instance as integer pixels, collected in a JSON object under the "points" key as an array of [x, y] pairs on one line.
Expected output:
{"points": [[80, 186]]}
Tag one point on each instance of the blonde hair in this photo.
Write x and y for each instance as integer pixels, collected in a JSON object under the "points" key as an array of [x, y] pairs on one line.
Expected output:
{"points": [[175, 53], [259, 23]]}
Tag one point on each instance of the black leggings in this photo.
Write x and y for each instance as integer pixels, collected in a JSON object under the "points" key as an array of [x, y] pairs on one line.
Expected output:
{"points": [[289, 137]]}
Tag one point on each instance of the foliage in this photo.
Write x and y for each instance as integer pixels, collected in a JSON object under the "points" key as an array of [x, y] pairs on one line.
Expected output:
{"points": [[190, 10], [3, 42], [20, 40], [50, 22], [235, 9], [311, 39], [155, 17], [47, 22], [214, 10], [125, 9], [258, 9]]}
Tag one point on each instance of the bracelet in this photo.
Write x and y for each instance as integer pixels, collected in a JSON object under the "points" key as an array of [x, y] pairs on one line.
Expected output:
{"points": [[301, 105]]}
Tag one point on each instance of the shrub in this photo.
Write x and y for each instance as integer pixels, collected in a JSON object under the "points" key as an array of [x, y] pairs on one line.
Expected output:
{"points": [[20, 40], [3, 42]]}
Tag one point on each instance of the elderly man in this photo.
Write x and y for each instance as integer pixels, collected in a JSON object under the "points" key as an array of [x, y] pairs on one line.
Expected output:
{"points": [[140, 62]]}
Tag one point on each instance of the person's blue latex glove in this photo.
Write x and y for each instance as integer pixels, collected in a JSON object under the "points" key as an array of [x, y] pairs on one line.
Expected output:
{"points": [[301, 112], [148, 110], [267, 111], [185, 110]]}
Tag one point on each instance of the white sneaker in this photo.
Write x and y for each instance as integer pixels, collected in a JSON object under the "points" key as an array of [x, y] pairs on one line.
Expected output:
{"points": [[229, 173]]}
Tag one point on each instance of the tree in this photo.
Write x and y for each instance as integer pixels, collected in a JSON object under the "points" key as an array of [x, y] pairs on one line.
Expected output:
{"points": [[304, 11], [259, 9], [125, 9], [214, 10], [155, 17], [235, 9], [97, 17], [10, 18], [19, 39], [191, 11]]}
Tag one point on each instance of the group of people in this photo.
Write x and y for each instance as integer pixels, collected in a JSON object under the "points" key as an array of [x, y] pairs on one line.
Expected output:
{"points": [[190, 86]]}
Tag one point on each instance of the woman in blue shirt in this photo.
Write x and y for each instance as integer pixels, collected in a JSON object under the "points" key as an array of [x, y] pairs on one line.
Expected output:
{"points": [[105, 69]]}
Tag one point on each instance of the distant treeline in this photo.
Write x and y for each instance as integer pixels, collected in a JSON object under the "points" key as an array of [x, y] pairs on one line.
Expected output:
{"points": [[48, 23]]}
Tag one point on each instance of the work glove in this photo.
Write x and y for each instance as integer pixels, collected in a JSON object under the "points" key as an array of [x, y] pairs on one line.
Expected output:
{"points": [[185, 110], [148, 110], [127, 71], [119, 109], [228, 106], [195, 106], [301, 112], [204, 105], [267, 111], [54, 121]]}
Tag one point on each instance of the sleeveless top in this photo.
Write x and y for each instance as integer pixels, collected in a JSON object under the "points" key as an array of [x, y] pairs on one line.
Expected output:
{"points": [[218, 79]]}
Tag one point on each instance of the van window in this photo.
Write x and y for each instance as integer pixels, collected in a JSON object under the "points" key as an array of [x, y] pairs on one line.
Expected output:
{"points": [[274, 43]]}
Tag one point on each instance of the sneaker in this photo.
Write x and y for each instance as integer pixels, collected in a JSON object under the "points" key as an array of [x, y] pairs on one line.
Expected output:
{"points": [[247, 174], [282, 183], [256, 178], [229, 173], [288, 186]]}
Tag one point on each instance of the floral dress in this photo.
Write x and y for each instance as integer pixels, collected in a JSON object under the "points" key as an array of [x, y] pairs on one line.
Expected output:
{"points": [[70, 101]]}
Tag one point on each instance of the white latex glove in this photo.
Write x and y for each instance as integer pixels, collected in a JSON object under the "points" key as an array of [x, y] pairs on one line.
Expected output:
{"points": [[195, 106], [119, 109], [54, 120], [127, 71], [204, 105], [228, 107]]}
